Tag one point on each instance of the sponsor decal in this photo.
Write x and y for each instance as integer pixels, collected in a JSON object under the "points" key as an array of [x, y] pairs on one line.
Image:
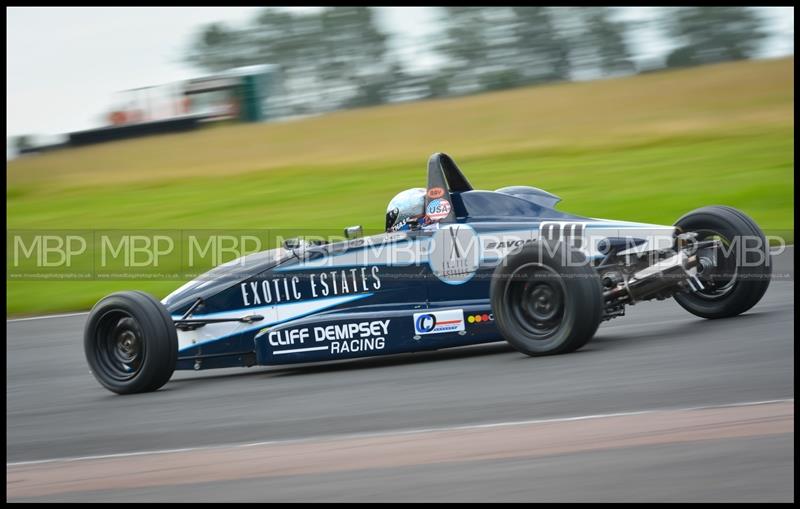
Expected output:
{"points": [[455, 253], [401, 225], [480, 318], [398, 226], [435, 192], [322, 284], [437, 322], [438, 209], [336, 338], [508, 243]]}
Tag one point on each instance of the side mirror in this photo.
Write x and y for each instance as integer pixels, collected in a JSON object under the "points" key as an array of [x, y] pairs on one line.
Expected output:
{"points": [[294, 243], [353, 232]]}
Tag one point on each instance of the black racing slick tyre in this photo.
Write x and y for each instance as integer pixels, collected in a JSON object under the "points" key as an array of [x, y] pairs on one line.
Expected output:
{"points": [[744, 267], [130, 343], [546, 300]]}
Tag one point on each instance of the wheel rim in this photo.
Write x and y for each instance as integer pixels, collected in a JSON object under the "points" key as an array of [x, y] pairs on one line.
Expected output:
{"points": [[718, 286], [536, 300], [119, 345]]}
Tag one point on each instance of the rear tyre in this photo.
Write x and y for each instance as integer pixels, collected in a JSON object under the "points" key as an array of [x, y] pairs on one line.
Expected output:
{"points": [[546, 301], [130, 343], [743, 269]]}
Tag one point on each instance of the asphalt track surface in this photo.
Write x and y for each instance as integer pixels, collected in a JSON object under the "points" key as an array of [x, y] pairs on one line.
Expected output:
{"points": [[658, 358]]}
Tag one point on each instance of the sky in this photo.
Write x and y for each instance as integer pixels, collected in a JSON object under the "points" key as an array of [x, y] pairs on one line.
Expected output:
{"points": [[66, 64]]}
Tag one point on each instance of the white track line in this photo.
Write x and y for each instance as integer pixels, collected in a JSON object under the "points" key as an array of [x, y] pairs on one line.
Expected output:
{"points": [[398, 432], [45, 317]]}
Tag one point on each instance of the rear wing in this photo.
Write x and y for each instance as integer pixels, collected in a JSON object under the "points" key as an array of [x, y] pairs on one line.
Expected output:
{"points": [[444, 177]]}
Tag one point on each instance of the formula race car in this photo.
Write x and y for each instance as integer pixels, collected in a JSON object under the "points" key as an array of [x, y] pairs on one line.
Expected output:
{"points": [[472, 267]]}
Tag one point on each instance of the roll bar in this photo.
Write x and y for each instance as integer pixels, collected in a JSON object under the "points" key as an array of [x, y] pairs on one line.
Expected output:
{"points": [[444, 177]]}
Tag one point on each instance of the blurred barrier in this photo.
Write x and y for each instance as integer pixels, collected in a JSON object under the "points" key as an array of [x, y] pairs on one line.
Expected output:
{"points": [[134, 130]]}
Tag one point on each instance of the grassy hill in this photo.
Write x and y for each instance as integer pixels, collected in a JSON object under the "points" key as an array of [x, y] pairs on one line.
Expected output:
{"points": [[646, 148]]}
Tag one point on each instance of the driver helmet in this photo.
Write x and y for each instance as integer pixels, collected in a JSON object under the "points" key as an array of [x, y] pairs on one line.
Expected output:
{"points": [[406, 205]]}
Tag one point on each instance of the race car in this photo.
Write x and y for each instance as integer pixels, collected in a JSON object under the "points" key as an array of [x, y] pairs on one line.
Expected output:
{"points": [[456, 266]]}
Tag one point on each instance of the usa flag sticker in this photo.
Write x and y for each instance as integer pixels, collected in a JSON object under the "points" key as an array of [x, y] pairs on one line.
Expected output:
{"points": [[438, 209]]}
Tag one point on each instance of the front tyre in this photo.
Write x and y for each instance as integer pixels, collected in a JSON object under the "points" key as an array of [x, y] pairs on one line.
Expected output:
{"points": [[130, 343], [743, 269], [546, 301]]}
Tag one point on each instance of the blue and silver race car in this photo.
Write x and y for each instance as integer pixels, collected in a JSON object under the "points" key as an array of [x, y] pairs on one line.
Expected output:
{"points": [[469, 266]]}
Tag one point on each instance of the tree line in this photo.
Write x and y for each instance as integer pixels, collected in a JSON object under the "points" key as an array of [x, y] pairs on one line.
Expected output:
{"points": [[340, 57]]}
